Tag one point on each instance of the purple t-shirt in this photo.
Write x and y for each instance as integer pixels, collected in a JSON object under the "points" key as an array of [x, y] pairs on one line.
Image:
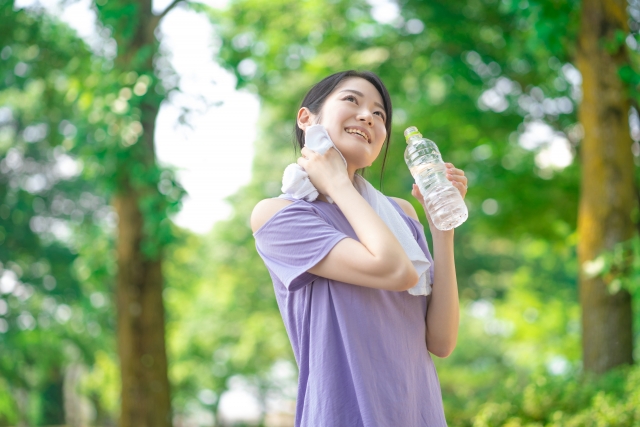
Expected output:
{"points": [[361, 352]]}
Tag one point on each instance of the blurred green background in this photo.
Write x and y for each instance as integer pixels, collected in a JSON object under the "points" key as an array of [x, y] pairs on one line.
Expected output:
{"points": [[92, 264]]}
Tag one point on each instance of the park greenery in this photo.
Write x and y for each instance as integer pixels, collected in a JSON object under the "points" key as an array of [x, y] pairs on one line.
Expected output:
{"points": [[110, 314]]}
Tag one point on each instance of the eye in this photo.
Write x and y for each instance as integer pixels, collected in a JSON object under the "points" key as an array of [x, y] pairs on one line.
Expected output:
{"points": [[380, 113], [350, 98]]}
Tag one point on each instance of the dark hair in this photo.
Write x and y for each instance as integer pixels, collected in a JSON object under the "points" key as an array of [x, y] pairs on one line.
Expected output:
{"points": [[315, 98]]}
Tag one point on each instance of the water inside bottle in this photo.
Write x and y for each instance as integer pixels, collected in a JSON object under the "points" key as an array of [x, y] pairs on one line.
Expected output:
{"points": [[429, 175], [445, 210], [442, 200]]}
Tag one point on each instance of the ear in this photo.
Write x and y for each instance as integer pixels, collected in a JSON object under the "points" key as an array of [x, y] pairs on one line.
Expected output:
{"points": [[305, 118]]}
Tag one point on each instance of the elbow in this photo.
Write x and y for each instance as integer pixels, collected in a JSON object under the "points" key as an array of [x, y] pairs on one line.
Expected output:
{"points": [[395, 275], [442, 350], [405, 278], [442, 353]]}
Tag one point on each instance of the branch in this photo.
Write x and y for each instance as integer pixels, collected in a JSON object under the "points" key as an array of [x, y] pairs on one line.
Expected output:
{"points": [[158, 18]]}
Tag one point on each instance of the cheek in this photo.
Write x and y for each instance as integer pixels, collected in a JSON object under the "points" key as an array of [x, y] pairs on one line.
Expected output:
{"points": [[328, 120], [331, 130], [380, 149], [334, 134], [382, 132]]}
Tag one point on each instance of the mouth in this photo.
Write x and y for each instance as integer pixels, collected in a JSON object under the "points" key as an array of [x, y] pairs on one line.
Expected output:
{"points": [[359, 132]]}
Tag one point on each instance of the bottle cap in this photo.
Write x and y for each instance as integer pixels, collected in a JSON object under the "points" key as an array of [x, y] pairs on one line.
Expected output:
{"points": [[411, 131]]}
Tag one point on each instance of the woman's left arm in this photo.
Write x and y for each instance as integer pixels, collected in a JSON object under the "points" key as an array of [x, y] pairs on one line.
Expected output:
{"points": [[443, 310], [443, 314]]}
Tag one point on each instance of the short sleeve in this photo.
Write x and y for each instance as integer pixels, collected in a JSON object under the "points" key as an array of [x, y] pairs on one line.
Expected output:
{"points": [[294, 240]]}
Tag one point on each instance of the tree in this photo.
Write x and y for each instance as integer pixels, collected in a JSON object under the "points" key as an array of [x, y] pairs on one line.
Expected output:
{"points": [[114, 98], [608, 193], [142, 195]]}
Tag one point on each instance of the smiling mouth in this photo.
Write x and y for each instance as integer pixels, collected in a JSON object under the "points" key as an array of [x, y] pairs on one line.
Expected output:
{"points": [[359, 133]]}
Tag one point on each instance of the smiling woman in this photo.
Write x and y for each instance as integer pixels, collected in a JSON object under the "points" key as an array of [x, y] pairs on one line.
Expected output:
{"points": [[352, 114], [341, 264], [333, 95]]}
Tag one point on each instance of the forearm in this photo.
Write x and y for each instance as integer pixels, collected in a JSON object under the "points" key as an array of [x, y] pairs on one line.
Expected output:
{"points": [[443, 314], [372, 232]]}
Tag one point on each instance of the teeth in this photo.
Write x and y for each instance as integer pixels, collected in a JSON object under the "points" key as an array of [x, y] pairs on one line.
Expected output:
{"points": [[362, 134]]}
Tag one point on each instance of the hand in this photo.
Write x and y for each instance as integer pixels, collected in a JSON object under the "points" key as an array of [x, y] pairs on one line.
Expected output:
{"points": [[415, 192], [457, 178], [325, 171]]}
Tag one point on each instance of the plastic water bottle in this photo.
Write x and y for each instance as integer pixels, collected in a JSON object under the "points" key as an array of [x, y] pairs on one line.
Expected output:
{"points": [[442, 200]]}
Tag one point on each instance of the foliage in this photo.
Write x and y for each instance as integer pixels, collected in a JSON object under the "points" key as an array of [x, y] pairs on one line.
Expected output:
{"points": [[70, 126], [439, 85], [475, 78], [620, 269], [233, 327], [477, 89], [53, 314], [571, 400]]}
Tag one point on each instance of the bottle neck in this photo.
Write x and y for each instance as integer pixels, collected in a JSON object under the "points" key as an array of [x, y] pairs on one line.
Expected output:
{"points": [[414, 138]]}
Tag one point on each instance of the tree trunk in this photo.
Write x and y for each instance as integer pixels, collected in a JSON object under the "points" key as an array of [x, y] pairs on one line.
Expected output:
{"points": [[141, 347], [607, 187], [145, 399]]}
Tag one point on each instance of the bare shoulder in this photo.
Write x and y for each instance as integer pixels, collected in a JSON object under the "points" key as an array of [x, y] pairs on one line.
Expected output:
{"points": [[265, 209], [406, 207]]}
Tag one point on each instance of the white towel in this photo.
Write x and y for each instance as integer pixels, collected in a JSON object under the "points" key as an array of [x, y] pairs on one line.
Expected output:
{"points": [[295, 181], [296, 184]]}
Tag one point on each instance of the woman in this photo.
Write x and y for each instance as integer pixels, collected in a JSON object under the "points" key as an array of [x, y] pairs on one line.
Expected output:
{"points": [[340, 274]]}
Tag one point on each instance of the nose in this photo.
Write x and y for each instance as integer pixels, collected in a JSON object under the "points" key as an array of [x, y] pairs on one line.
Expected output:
{"points": [[366, 116]]}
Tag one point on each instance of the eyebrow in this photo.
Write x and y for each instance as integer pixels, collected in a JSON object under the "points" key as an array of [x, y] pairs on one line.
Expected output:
{"points": [[362, 95]]}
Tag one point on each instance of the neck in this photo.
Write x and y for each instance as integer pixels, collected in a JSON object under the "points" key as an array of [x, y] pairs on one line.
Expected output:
{"points": [[352, 174]]}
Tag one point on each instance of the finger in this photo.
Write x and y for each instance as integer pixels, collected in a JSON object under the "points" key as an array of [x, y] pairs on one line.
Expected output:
{"points": [[458, 178], [415, 191], [307, 152], [333, 152], [455, 171], [461, 188], [302, 162], [459, 184], [449, 166]]}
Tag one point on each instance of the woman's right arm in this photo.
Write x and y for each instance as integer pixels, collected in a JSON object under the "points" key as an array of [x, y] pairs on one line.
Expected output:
{"points": [[377, 260]]}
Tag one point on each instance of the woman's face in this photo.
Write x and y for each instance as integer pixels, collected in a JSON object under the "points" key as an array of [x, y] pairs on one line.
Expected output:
{"points": [[354, 117]]}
